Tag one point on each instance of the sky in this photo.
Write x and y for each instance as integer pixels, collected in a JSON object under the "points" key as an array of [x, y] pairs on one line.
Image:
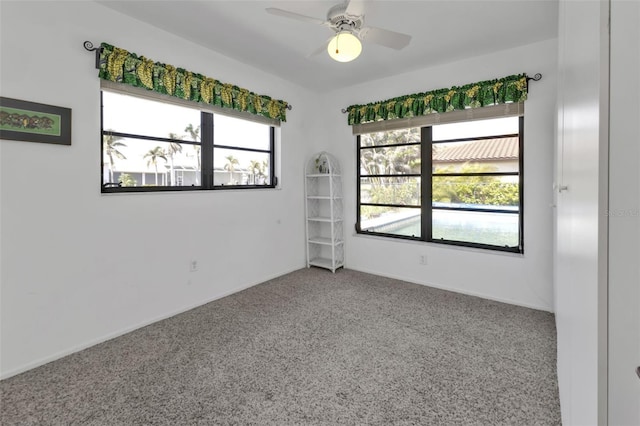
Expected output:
{"points": [[479, 128], [123, 113]]}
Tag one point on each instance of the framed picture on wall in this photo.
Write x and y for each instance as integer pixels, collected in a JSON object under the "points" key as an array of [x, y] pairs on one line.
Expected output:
{"points": [[34, 122]]}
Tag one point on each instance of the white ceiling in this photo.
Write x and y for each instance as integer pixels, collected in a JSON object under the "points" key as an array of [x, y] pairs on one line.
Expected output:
{"points": [[443, 31]]}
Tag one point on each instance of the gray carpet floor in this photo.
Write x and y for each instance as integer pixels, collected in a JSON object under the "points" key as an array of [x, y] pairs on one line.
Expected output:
{"points": [[309, 348]]}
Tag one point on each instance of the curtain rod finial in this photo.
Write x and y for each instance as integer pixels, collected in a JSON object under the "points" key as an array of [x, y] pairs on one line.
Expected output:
{"points": [[536, 77], [89, 46], [344, 111]]}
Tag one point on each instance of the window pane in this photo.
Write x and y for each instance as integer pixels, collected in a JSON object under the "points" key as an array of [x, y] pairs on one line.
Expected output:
{"points": [[240, 133], [476, 191], [395, 190], [391, 137], [478, 128], [484, 155], [135, 162], [499, 229], [235, 167], [396, 160], [390, 220], [128, 114]]}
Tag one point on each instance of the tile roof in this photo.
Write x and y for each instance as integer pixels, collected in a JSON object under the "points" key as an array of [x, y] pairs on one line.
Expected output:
{"points": [[484, 149]]}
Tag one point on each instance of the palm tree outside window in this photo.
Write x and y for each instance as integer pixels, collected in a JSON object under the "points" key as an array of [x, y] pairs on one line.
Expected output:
{"points": [[153, 156], [111, 144]]}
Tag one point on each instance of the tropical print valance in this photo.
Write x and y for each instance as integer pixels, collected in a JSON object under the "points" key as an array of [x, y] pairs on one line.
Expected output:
{"points": [[508, 89], [118, 65]]}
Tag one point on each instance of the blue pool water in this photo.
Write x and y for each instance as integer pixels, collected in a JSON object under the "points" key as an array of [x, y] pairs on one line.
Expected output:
{"points": [[478, 227]]}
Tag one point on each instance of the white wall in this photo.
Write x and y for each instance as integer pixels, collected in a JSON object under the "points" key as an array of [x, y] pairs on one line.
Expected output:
{"points": [[580, 284], [624, 215], [78, 267], [524, 280]]}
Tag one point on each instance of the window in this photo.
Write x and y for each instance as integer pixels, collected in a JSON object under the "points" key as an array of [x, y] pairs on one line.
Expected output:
{"points": [[242, 152], [457, 183], [390, 181], [151, 145]]}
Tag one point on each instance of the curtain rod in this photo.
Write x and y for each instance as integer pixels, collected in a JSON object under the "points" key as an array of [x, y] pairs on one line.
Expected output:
{"points": [[536, 77], [90, 47]]}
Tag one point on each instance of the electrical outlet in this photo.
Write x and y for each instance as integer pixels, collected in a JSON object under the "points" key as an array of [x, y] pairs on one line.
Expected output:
{"points": [[193, 266], [422, 260]]}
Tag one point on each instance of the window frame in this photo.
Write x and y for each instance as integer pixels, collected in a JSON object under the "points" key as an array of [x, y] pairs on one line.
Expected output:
{"points": [[207, 144], [270, 151], [427, 174]]}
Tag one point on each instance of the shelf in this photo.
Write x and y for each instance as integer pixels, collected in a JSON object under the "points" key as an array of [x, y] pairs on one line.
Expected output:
{"points": [[324, 212], [324, 263], [323, 219], [324, 240]]}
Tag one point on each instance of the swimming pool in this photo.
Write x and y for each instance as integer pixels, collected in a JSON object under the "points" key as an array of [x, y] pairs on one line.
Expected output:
{"points": [[478, 227]]}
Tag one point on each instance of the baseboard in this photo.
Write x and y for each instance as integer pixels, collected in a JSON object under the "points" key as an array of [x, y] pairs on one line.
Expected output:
{"points": [[453, 289], [83, 346]]}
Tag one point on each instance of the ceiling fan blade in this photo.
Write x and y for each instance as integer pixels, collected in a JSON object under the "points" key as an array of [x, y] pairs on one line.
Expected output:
{"points": [[383, 37], [320, 49], [293, 15], [355, 8]]}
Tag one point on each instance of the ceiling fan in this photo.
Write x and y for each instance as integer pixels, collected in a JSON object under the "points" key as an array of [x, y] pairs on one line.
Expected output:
{"points": [[347, 21]]}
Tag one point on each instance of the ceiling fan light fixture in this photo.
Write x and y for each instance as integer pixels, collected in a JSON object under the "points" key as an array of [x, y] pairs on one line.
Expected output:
{"points": [[344, 47]]}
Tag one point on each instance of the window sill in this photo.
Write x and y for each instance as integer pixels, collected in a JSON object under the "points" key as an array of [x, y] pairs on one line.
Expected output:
{"points": [[439, 245], [187, 190]]}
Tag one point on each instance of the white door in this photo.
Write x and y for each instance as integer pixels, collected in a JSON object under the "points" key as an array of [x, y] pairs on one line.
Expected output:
{"points": [[624, 216], [581, 226]]}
